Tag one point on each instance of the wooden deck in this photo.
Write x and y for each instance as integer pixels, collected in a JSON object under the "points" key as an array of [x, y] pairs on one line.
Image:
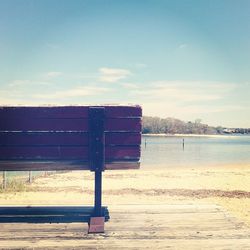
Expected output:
{"points": [[180, 226]]}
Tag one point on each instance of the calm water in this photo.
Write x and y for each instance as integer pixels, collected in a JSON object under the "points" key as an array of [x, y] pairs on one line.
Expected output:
{"points": [[162, 152]]}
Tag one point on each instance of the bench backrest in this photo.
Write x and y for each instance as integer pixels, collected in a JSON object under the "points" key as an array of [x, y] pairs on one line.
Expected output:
{"points": [[58, 138]]}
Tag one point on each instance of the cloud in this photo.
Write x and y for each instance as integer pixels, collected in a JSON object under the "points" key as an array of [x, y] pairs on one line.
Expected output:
{"points": [[185, 99], [183, 46], [129, 85], [19, 83], [54, 74], [185, 91], [24, 83], [186, 112], [141, 65], [188, 100], [74, 92], [43, 97], [112, 75]]}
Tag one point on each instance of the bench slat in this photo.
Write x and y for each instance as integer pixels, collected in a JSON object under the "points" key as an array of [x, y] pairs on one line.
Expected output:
{"points": [[51, 214], [47, 210], [47, 219], [65, 124], [67, 112], [66, 152], [126, 138], [23, 165], [44, 138], [65, 138]]}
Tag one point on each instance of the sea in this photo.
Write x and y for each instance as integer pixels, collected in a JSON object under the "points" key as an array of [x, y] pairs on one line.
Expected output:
{"points": [[194, 151], [161, 152]]}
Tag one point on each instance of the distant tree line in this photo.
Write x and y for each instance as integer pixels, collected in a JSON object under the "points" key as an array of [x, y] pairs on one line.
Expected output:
{"points": [[156, 125]]}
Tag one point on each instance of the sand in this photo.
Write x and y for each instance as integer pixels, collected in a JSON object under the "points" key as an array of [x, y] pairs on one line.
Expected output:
{"points": [[228, 186]]}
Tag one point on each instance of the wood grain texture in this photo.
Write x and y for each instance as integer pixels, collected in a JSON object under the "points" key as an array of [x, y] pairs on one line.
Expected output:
{"points": [[66, 124], [48, 214], [65, 138], [67, 111], [62, 134], [190, 226], [63, 165], [123, 138], [44, 138], [66, 152], [43, 152]]}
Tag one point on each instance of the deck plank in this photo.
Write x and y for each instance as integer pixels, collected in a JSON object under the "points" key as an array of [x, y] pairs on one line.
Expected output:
{"points": [[173, 226]]}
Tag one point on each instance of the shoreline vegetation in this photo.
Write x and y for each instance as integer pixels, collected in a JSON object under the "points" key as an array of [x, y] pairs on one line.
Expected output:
{"points": [[172, 126], [194, 135]]}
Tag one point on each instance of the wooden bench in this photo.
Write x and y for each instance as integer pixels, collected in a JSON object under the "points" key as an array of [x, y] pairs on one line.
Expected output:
{"points": [[94, 138]]}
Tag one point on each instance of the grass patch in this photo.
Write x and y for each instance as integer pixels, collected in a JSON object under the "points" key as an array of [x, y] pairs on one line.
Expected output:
{"points": [[15, 185]]}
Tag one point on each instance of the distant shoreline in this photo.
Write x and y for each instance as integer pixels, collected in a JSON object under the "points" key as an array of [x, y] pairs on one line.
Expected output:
{"points": [[194, 135]]}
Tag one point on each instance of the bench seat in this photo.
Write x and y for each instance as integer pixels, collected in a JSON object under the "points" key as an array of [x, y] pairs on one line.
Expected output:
{"points": [[48, 214]]}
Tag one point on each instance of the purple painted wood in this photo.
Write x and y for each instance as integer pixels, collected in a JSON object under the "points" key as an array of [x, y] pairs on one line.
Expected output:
{"points": [[123, 111], [123, 124], [43, 124], [123, 138], [122, 153], [65, 138], [43, 138], [67, 111], [58, 124], [44, 165], [44, 112], [65, 152], [46, 152]]}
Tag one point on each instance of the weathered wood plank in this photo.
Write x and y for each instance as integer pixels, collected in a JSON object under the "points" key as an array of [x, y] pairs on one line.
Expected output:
{"points": [[66, 153], [67, 111], [122, 165], [49, 134], [47, 210], [44, 112], [140, 233], [123, 111], [122, 153], [62, 165], [43, 152], [65, 138], [51, 214], [123, 138], [43, 124], [44, 138], [66, 124]]}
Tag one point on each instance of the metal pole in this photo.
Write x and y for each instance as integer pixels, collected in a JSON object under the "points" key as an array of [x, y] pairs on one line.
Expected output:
{"points": [[30, 176], [97, 153], [4, 180], [98, 194]]}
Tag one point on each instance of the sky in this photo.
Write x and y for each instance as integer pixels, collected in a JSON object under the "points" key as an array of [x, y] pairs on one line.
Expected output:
{"points": [[187, 59]]}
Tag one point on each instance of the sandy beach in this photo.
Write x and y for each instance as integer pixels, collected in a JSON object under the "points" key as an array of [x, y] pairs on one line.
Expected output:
{"points": [[228, 186]]}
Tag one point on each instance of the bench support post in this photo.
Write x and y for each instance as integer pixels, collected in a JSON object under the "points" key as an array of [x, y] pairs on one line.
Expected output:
{"points": [[98, 193], [97, 161]]}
